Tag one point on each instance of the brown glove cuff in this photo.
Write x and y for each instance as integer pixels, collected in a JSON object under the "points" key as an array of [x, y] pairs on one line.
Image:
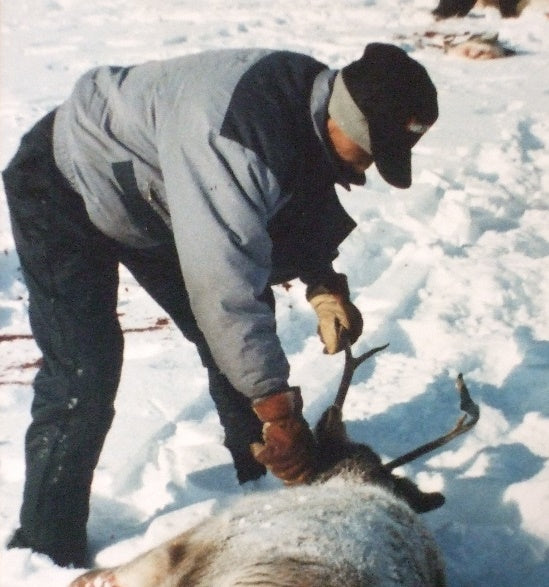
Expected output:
{"points": [[334, 284], [279, 406]]}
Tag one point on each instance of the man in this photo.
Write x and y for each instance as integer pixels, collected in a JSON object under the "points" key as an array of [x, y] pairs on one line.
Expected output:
{"points": [[210, 177]]}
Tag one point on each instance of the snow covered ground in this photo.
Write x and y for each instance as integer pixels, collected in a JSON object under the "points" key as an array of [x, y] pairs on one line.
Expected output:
{"points": [[453, 273]]}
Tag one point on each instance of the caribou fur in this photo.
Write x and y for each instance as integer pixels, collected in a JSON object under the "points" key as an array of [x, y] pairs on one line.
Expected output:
{"points": [[354, 526]]}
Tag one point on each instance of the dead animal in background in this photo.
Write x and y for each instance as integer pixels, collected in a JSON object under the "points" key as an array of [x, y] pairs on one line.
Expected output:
{"points": [[481, 46], [469, 45], [355, 525]]}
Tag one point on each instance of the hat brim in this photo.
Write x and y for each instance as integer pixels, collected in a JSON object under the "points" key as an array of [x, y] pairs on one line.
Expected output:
{"points": [[395, 167]]}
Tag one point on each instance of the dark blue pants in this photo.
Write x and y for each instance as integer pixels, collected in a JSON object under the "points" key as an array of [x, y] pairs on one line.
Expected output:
{"points": [[71, 271]]}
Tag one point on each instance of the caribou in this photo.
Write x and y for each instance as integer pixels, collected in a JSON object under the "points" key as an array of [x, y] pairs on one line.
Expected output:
{"points": [[356, 524]]}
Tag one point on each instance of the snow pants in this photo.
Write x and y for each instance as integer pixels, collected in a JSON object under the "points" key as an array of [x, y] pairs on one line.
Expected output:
{"points": [[71, 272]]}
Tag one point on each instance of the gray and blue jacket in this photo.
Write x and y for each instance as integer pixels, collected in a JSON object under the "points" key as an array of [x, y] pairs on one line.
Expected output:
{"points": [[226, 152]]}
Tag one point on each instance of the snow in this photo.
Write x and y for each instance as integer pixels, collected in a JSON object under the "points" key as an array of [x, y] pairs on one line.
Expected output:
{"points": [[453, 273]]}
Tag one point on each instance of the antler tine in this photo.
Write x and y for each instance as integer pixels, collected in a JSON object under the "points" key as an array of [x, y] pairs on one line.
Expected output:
{"points": [[466, 403], [470, 408], [351, 363]]}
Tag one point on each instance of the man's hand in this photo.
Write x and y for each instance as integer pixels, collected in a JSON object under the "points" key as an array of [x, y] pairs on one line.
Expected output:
{"points": [[289, 448], [338, 319]]}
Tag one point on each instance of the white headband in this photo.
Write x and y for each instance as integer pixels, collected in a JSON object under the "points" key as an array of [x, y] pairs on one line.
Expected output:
{"points": [[347, 115]]}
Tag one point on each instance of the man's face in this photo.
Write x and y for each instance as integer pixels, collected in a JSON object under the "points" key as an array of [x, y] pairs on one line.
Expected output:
{"points": [[347, 150]]}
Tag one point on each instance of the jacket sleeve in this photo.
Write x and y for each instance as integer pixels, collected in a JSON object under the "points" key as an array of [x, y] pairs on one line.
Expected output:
{"points": [[220, 198]]}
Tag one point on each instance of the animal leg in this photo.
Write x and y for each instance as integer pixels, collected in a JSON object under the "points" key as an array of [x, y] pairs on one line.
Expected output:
{"points": [[97, 578]]}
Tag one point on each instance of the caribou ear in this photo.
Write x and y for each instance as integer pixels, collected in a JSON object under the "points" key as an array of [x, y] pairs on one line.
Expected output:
{"points": [[330, 429], [418, 500]]}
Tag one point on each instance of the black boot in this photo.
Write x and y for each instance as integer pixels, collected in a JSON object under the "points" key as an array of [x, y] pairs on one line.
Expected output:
{"points": [[449, 8], [73, 555]]}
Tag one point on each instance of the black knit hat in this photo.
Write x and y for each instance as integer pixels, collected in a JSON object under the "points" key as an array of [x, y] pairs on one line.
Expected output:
{"points": [[397, 98]]}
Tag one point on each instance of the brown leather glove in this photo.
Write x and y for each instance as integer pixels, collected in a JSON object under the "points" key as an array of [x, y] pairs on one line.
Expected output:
{"points": [[338, 319], [289, 448]]}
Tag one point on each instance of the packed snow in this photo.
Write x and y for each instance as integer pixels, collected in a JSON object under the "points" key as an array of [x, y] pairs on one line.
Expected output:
{"points": [[453, 273]]}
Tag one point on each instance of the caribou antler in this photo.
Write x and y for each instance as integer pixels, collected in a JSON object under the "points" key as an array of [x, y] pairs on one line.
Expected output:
{"points": [[351, 363], [463, 424], [470, 408]]}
